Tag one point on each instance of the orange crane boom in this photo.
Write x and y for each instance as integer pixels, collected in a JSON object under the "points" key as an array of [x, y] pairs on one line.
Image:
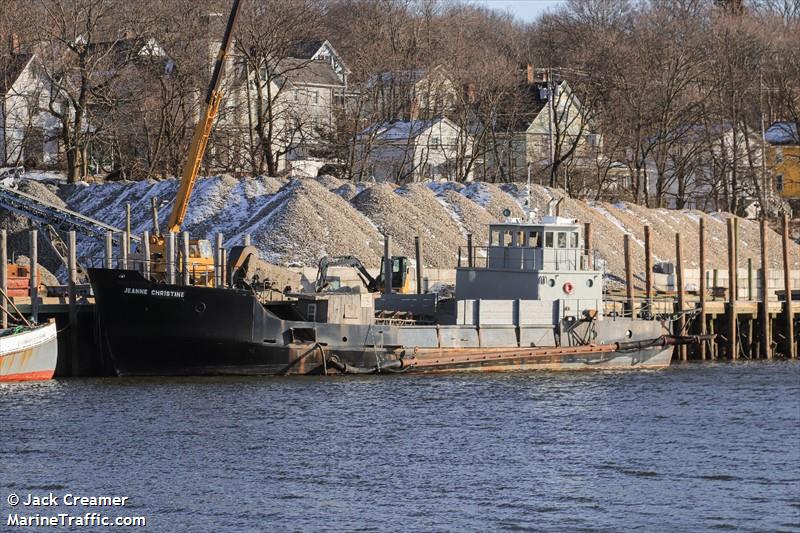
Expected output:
{"points": [[203, 130]]}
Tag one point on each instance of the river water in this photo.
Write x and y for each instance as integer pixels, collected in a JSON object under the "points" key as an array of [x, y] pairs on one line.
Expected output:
{"points": [[692, 448]]}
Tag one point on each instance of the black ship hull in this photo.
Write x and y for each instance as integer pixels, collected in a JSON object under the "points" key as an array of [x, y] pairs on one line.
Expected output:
{"points": [[149, 328]]}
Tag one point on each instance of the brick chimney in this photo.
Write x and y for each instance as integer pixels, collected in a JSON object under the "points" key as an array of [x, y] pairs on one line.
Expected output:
{"points": [[531, 74], [14, 46]]}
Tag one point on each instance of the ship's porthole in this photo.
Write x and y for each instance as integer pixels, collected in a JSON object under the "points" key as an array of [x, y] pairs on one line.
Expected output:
{"points": [[589, 283], [201, 307], [629, 334], [344, 339], [552, 283]]}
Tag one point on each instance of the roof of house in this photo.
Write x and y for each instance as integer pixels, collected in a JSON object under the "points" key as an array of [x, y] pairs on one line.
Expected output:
{"points": [[10, 69], [304, 72], [785, 132], [306, 49], [405, 77], [401, 129]]}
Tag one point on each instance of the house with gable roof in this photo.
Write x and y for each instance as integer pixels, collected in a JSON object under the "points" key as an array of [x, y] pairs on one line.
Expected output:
{"points": [[410, 150]]}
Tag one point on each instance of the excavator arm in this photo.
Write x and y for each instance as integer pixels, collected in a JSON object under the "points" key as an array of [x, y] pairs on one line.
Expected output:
{"points": [[203, 130], [353, 262]]}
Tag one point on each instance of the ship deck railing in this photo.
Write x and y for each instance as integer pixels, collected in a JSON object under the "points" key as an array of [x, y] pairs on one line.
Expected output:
{"points": [[527, 259]]}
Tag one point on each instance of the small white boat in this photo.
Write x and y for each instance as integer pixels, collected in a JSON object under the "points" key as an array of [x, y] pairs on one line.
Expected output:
{"points": [[28, 353]]}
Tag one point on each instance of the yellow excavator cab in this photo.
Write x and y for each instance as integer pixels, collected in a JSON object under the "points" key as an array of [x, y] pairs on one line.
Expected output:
{"points": [[401, 281]]}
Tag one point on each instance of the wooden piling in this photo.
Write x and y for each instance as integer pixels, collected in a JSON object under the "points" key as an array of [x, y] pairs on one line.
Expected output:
{"points": [[72, 267], [128, 225], [715, 281], [34, 282], [418, 258], [648, 269], [702, 295], [247, 239], [587, 243], [109, 259], [733, 345], [387, 264], [218, 275], [185, 258], [750, 281], [154, 211], [764, 307], [681, 324], [712, 330], [123, 249], [470, 255], [626, 243], [146, 267], [171, 258], [788, 313], [4, 272], [223, 254]]}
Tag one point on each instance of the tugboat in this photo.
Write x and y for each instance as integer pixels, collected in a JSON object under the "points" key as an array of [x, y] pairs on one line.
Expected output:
{"points": [[531, 299]]}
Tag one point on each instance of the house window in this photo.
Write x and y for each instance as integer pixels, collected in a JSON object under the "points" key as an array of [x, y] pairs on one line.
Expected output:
{"points": [[779, 182], [316, 97], [435, 142]]}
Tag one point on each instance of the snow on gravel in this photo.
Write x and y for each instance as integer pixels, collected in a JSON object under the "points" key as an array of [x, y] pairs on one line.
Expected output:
{"points": [[295, 221]]}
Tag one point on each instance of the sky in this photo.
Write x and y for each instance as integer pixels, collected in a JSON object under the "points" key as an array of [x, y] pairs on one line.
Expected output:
{"points": [[526, 10]]}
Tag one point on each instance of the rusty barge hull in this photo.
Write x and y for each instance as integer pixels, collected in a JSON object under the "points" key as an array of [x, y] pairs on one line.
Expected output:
{"points": [[593, 357], [156, 329]]}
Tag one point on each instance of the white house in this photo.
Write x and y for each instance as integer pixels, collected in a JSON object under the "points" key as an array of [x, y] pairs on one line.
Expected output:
{"points": [[412, 150], [305, 90], [412, 94], [539, 129], [30, 132]]}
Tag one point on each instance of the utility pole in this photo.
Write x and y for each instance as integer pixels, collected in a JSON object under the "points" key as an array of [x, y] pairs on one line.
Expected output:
{"points": [[528, 191], [550, 116], [765, 191]]}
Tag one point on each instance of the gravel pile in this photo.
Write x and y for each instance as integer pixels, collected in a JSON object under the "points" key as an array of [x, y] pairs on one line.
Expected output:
{"points": [[494, 199], [18, 227], [473, 218], [330, 182], [403, 220], [270, 184], [295, 222], [346, 190], [435, 211], [305, 221]]}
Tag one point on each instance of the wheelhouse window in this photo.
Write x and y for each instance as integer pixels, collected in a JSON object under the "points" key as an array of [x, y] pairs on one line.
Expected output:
{"points": [[562, 239], [573, 243], [548, 239]]}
